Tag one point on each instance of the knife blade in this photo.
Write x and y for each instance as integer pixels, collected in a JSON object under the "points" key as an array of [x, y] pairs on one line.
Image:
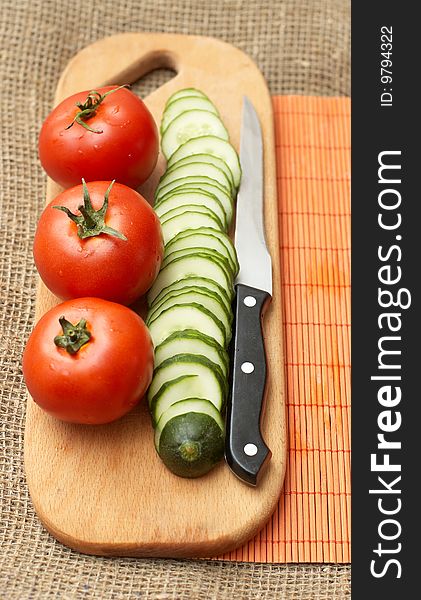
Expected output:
{"points": [[245, 450]]}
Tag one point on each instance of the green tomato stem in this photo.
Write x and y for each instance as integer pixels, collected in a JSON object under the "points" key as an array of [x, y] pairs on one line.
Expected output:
{"points": [[74, 336], [89, 107], [91, 222]]}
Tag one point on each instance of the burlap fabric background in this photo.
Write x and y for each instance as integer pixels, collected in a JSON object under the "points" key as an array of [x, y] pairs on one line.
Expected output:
{"points": [[302, 47]]}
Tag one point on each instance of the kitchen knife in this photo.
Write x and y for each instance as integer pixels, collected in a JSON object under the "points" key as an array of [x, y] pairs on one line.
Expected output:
{"points": [[245, 449]]}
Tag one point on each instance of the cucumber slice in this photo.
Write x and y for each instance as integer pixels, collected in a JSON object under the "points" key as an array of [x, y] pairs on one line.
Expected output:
{"points": [[190, 364], [214, 254], [190, 181], [191, 92], [172, 291], [205, 238], [207, 158], [191, 124], [190, 184], [195, 169], [210, 383], [184, 407], [191, 219], [191, 341], [210, 144], [179, 105], [175, 390], [189, 437], [185, 316], [194, 296], [198, 198], [185, 209], [195, 281], [201, 265]]}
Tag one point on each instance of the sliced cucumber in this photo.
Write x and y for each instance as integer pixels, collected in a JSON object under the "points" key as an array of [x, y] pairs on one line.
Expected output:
{"points": [[175, 390], [210, 383], [192, 169], [180, 105], [184, 407], [214, 254], [191, 341], [190, 364], [190, 218], [195, 281], [190, 313], [207, 158], [188, 125], [188, 266], [198, 198], [172, 291], [191, 92], [185, 209], [194, 184], [205, 238], [189, 437], [210, 144], [199, 296], [185, 316], [201, 253], [190, 181]]}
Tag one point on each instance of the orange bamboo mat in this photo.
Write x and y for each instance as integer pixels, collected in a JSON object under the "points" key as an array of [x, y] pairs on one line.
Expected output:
{"points": [[312, 521]]}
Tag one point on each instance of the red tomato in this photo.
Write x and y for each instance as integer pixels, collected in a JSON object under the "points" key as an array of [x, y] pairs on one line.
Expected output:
{"points": [[103, 379], [123, 146], [103, 265]]}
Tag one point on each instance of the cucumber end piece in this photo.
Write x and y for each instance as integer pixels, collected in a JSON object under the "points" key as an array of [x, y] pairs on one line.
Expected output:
{"points": [[191, 445]]}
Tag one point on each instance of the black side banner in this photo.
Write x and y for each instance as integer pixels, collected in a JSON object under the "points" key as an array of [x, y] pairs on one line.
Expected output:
{"points": [[386, 358]]}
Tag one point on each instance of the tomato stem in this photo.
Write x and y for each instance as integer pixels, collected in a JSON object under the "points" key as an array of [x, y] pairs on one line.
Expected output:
{"points": [[74, 336], [89, 108], [91, 222]]}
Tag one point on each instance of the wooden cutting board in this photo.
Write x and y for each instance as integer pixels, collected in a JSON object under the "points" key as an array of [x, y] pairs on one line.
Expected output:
{"points": [[103, 490]]}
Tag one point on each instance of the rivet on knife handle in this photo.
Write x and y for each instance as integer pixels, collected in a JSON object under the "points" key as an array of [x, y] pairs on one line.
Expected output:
{"points": [[245, 449]]}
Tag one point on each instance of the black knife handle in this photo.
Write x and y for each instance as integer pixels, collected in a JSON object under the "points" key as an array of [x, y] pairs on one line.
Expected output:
{"points": [[245, 449]]}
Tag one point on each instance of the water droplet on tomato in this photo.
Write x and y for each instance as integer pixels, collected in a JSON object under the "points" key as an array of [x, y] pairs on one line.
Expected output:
{"points": [[115, 110]]}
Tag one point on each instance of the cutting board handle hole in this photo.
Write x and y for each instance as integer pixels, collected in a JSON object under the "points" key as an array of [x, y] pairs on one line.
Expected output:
{"points": [[151, 81], [150, 72]]}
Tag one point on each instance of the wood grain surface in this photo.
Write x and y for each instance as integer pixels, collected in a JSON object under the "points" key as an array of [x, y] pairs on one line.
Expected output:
{"points": [[103, 490]]}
